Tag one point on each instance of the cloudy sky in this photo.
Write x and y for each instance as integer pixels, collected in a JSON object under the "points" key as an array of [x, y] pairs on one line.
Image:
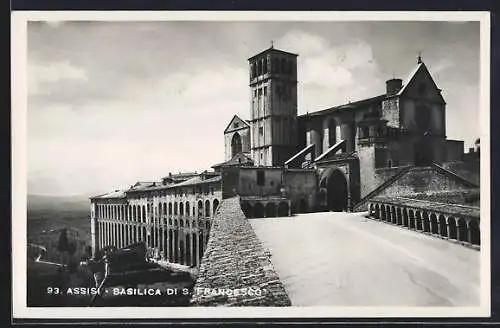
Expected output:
{"points": [[110, 103]]}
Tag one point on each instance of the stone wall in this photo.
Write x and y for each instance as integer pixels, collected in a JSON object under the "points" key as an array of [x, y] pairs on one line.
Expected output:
{"points": [[469, 197], [469, 170], [407, 181], [235, 269]]}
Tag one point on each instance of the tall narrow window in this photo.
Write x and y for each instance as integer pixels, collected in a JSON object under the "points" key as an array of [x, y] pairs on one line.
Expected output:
{"points": [[236, 146]]}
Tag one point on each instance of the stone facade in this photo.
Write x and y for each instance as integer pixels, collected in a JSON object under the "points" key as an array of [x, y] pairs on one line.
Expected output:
{"points": [[173, 220], [236, 270]]}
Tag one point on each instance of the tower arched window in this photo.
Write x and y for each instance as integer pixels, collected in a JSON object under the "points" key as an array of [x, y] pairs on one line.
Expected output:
{"points": [[236, 146]]}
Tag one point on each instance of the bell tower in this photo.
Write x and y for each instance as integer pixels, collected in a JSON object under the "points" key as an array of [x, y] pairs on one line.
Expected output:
{"points": [[273, 87]]}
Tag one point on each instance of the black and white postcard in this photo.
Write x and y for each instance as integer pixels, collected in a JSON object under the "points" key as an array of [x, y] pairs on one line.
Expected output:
{"points": [[250, 164]]}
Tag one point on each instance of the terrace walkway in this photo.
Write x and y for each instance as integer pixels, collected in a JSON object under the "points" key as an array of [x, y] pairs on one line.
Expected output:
{"points": [[345, 259]]}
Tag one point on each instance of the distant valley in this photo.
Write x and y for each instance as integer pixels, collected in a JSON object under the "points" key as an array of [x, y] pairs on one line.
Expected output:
{"points": [[48, 215]]}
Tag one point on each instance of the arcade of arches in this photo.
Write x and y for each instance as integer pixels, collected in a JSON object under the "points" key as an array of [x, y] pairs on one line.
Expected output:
{"points": [[265, 208], [457, 227], [176, 230]]}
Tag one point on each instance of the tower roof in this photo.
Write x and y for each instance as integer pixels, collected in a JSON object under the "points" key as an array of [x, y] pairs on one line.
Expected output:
{"points": [[274, 50]]}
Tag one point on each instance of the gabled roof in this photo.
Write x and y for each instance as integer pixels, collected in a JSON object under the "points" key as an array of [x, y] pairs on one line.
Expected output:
{"points": [[272, 49], [236, 117], [351, 105], [410, 77], [420, 66]]}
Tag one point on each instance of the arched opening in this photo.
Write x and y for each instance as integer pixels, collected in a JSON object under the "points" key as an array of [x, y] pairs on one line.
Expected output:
{"points": [[393, 215], [399, 216], [181, 208], [336, 191], [475, 235], [216, 205], [434, 224], [377, 211], [411, 217], [452, 227], [236, 146], [271, 210], [258, 210], [187, 209], [427, 225], [176, 208], [462, 230], [283, 209], [383, 213], [443, 230], [405, 217], [200, 208], [418, 221], [207, 208], [247, 209]]}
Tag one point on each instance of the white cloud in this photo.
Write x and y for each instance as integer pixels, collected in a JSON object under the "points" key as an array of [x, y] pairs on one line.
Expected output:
{"points": [[39, 73], [332, 74]]}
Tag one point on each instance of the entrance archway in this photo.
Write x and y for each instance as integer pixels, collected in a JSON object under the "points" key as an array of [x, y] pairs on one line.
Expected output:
{"points": [[336, 191]]}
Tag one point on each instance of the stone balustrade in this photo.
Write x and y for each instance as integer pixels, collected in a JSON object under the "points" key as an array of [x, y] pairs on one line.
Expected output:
{"points": [[453, 222]]}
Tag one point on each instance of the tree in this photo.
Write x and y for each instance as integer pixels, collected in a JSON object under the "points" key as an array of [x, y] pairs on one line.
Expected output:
{"points": [[63, 244]]}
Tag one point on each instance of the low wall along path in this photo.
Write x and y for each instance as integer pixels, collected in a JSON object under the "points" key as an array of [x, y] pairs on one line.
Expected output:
{"points": [[235, 269]]}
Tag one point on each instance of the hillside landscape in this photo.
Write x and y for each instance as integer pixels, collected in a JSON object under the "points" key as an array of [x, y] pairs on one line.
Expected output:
{"points": [[49, 215]]}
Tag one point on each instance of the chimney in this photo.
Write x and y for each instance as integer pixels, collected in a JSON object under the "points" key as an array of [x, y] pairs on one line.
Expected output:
{"points": [[393, 86]]}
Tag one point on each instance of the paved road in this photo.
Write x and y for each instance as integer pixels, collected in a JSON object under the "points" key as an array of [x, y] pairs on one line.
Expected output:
{"points": [[345, 259]]}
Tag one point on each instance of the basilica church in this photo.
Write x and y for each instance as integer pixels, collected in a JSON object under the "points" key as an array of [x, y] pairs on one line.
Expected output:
{"points": [[278, 163], [352, 148]]}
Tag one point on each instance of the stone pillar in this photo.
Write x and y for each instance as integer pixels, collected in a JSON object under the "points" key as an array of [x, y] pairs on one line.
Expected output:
{"points": [[191, 242], [326, 134], [196, 250], [108, 234], [469, 233]]}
